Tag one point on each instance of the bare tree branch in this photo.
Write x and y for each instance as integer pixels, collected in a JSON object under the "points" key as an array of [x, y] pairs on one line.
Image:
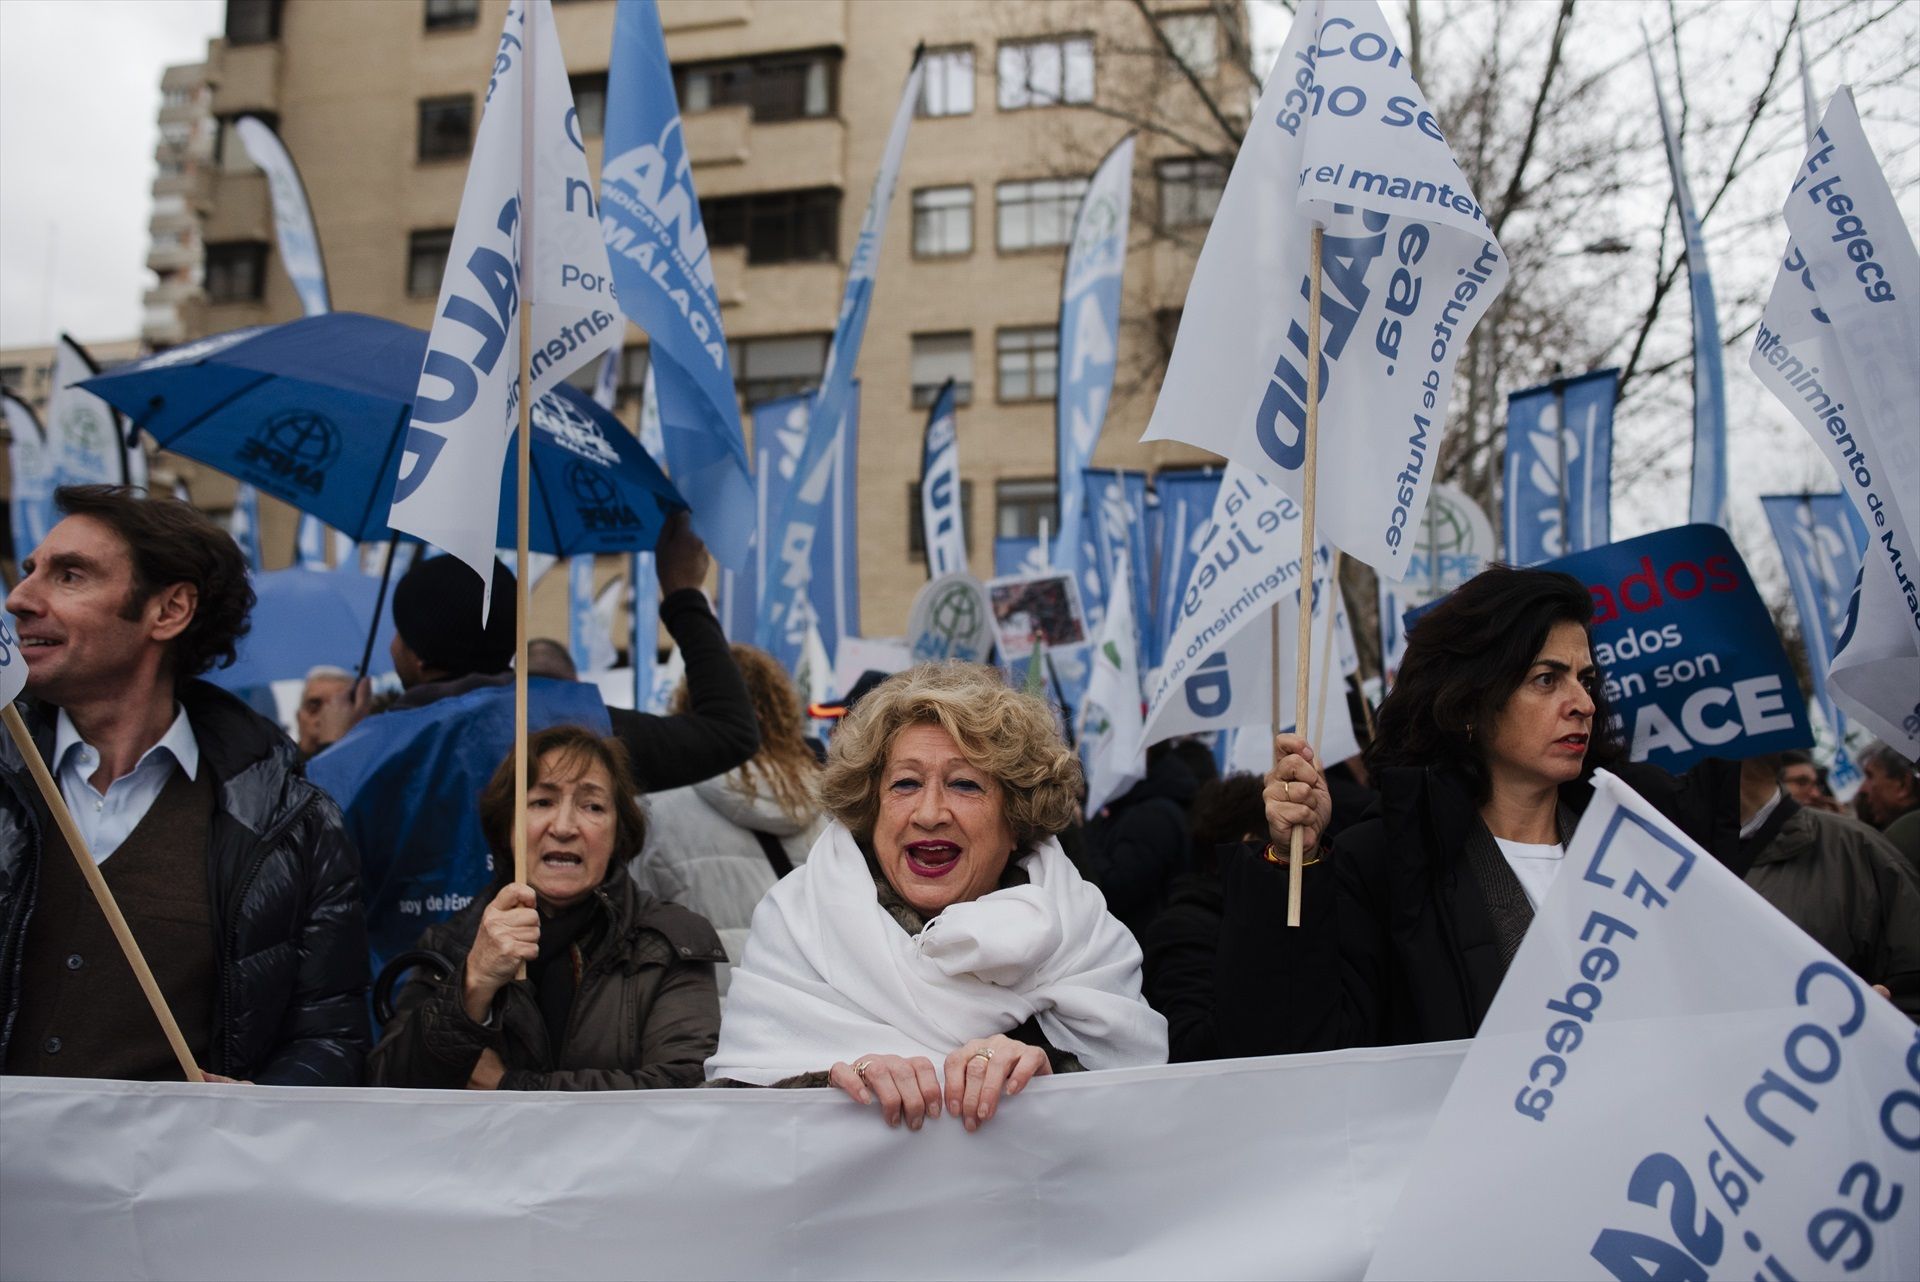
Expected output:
{"points": [[1517, 185]]}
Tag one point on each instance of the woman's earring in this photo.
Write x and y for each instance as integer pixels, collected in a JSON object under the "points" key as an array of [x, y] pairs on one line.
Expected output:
{"points": [[1469, 732]]}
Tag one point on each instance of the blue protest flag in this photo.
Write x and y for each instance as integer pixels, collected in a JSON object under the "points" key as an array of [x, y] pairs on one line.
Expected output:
{"points": [[580, 621], [1708, 504], [1089, 340], [943, 529], [643, 577], [310, 543], [1013, 554], [407, 782], [1186, 508], [35, 472], [832, 544], [786, 541], [1559, 467], [244, 524], [1692, 663], [1823, 543], [1113, 533], [663, 277]]}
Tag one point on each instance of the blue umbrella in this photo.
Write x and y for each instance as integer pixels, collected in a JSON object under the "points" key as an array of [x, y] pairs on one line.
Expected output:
{"points": [[313, 412], [302, 619]]}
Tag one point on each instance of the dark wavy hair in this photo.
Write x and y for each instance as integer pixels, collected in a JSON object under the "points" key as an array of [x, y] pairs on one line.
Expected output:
{"points": [[171, 542], [1465, 658]]}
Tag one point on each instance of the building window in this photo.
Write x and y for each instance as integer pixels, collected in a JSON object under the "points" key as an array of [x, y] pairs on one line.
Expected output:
{"points": [[633, 371], [947, 89], [13, 377], [449, 15], [1021, 506], [942, 221], [236, 271], [427, 261], [1029, 363], [937, 358], [176, 133], [917, 529], [1190, 190], [172, 167], [777, 226], [446, 128], [590, 102], [253, 22], [766, 368], [1039, 212], [1045, 73], [793, 86], [1195, 38]]}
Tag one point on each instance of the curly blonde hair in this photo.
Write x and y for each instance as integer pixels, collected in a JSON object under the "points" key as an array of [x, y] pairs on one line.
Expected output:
{"points": [[784, 765], [1009, 735]]}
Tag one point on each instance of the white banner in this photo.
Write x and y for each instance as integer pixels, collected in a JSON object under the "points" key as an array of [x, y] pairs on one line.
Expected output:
{"points": [[1674, 1081], [83, 431], [1271, 1168], [1341, 138], [1218, 669], [448, 489], [1839, 344], [1111, 728], [13, 666]]}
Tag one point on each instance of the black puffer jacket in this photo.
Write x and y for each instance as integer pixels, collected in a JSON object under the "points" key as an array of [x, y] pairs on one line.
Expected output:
{"points": [[1396, 942], [1139, 843], [285, 881]]}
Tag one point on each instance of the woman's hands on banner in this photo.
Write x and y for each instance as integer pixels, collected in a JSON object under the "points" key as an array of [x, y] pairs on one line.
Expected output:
{"points": [[1296, 796], [509, 937], [978, 1074]]}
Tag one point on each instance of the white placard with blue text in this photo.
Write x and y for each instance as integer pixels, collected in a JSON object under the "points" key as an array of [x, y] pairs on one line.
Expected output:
{"points": [[13, 665], [1673, 1082]]}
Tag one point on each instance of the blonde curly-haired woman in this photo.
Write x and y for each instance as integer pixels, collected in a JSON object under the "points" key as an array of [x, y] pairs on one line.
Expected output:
{"points": [[937, 951]]}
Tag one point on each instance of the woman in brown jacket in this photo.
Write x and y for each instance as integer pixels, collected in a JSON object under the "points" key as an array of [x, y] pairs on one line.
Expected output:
{"points": [[619, 991]]}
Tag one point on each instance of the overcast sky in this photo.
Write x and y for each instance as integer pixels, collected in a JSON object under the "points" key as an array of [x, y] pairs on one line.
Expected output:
{"points": [[79, 93]]}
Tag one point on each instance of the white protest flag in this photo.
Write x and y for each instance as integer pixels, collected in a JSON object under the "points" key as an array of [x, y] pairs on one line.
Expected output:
{"points": [[1674, 1081], [1250, 745], [1111, 725], [83, 431], [1217, 670], [1341, 138], [448, 489], [1839, 344]]}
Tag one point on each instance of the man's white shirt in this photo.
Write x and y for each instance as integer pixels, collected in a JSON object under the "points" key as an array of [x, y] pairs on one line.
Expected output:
{"points": [[107, 819]]}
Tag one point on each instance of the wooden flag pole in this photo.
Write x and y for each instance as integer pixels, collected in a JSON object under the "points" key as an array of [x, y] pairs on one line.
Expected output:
{"points": [[523, 489], [1327, 655], [50, 792], [1309, 474]]}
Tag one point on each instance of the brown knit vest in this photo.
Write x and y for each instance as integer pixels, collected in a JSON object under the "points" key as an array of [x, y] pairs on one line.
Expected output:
{"points": [[82, 1013]]}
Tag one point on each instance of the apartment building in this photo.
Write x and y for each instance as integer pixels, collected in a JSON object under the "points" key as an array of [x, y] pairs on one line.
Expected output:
{"points": [[786, 108], [183, 159]]}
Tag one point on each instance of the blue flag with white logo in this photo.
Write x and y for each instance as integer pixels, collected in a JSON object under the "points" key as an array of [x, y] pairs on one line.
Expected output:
{"points": [[1113, 528], [1089, 343], [942, 528], [663, 277], [1823, 544], [787, 540], [832, 562], [1186, 509], [1560, 467], [1709, 495], [1013, 554]]}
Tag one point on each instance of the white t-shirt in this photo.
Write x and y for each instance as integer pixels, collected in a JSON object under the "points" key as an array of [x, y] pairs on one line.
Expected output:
{"points": [[1535, 866]]}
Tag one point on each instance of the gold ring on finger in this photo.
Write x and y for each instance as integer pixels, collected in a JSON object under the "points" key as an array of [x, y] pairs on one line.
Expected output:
{"points": [[860, 1069], [984, 1053], [1288, 785]]}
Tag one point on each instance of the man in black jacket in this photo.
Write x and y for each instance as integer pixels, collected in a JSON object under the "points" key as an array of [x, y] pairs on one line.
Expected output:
{"points": [[233, 872]]}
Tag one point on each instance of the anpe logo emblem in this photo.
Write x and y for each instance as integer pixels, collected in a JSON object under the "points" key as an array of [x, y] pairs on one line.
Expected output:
{"points": [[599, 503], [588, 485], [294, 448]]}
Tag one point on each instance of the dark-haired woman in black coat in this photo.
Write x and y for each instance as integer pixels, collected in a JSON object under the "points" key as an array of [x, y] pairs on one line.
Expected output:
{"points": [[1483, 756]]}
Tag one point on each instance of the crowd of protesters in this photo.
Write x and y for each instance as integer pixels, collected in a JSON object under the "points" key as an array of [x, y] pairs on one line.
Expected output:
{"points": [[914, 913]]}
